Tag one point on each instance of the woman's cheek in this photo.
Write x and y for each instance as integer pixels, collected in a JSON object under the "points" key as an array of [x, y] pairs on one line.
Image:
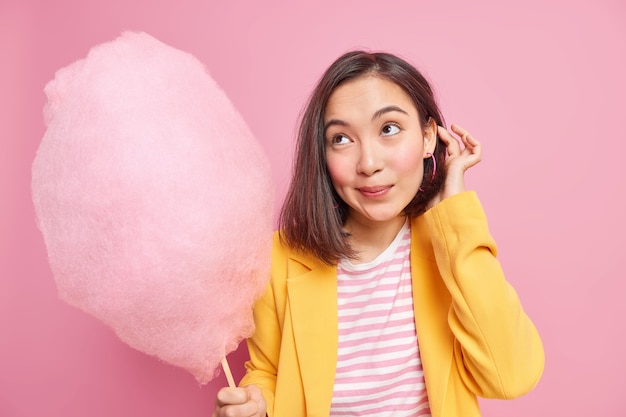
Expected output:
{"points": [[338, 169]]}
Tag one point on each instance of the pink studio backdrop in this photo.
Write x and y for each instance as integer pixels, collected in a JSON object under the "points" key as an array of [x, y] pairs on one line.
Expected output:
{"points": [[541, 83]]}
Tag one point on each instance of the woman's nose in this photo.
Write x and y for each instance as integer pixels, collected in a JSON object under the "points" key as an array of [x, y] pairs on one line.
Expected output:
{"points": [[370, 158]]}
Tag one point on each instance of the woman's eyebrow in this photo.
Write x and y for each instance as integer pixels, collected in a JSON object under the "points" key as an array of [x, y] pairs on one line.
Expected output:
{"points": [[334, 122], [387, 109]]}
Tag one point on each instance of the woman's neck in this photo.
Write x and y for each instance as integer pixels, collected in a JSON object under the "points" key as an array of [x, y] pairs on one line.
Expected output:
{"points": [[369, 239]]}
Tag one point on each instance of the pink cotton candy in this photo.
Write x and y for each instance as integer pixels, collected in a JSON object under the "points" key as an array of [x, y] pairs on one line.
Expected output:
{"points": [[155, 202]]}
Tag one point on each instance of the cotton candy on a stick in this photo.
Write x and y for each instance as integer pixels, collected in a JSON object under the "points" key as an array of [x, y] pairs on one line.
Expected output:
{"points": [[155, 201]]}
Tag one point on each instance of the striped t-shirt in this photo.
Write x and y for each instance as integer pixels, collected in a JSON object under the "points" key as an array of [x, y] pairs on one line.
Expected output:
{"points": [[379, 371]]}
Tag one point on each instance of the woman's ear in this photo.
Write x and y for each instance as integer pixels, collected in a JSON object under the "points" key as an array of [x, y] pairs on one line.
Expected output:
{"points": [[430, 137]]}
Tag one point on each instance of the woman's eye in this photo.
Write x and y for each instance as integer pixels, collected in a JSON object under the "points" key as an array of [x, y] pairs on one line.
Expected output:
{"points": [[389, 130], [339, 139]]}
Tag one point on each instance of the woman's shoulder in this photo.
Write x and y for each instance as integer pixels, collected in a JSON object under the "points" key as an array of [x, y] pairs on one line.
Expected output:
{"points": [[287, 260]]}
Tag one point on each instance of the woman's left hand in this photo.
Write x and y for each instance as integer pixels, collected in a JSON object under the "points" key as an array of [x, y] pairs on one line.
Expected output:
{"points": [[460, 159]]}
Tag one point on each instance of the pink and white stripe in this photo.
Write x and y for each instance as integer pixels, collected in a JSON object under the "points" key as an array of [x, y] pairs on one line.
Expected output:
{"points": [[379, 371]]}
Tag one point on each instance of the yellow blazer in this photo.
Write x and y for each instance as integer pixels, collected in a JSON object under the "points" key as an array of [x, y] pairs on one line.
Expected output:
{"points": [[473, 335]]}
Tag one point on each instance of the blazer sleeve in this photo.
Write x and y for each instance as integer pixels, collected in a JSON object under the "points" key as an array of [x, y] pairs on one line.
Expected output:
{"points": [[264, 345], [263, 348], [497, 348]]}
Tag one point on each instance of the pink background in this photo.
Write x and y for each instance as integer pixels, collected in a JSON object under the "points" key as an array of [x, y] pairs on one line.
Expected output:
{"points": [[540, 83]]}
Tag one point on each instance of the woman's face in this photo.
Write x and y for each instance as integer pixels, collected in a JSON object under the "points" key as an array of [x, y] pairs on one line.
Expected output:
{"points": [[375, 148]]}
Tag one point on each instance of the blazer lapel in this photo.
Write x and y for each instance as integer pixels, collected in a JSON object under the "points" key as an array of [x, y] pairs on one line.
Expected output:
{"points": [[312, 293], [431, 302]]}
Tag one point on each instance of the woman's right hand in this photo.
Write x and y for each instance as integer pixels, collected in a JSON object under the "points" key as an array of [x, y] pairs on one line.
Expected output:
{"points": [[240, 402], [460, 159]]}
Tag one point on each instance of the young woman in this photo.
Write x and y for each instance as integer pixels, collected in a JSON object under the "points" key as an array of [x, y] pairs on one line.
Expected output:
{"points": [[386, 297]]}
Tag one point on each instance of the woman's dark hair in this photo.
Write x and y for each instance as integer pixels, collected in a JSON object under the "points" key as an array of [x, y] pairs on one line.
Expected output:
{"points": [[310, 220]]}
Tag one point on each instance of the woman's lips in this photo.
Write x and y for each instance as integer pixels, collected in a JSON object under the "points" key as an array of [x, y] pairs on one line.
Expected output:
{"points": [[377, 191]]}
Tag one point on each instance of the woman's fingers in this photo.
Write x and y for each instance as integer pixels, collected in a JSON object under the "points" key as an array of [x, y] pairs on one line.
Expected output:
{"points": [[473, 148], [255, 395], [227, 396], [459, 131], [240, 402], [452, 144], [471, 153]]}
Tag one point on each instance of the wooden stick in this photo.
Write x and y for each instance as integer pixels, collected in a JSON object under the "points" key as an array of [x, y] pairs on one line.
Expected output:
{"points": [[229, 375]]}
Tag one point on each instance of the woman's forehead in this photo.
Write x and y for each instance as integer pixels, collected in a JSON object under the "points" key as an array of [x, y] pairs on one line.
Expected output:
{"points": [[370, 94]]}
